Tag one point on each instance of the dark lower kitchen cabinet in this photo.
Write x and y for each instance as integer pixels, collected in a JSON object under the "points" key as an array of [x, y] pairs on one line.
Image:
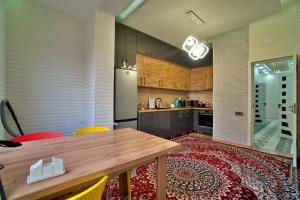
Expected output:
{"points": [[181, 121], [162, 124], [155, 123], [145, 122], [166, 124]]}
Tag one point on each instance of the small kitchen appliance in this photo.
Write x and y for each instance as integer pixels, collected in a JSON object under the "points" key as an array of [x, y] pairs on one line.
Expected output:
{"points": [[158, 103], [192, 103], [151, 102]]}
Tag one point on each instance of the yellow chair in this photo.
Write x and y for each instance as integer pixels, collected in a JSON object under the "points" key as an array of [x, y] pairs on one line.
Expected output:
{"points": [[92, 193], [91, 129], [103, 129]]}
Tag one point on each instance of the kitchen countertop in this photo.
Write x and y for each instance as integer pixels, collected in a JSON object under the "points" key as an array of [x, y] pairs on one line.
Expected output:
{"points": [[174, 109]]}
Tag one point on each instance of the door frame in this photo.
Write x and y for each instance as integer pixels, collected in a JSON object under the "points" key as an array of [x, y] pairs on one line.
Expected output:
{"points": [[251, 101]]}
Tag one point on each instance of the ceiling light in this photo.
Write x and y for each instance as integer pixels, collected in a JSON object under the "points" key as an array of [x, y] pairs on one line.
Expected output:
{"points": [[195, 49], [189, 43], [267, 68], [128, 10], [198, 51], [206, 50]]}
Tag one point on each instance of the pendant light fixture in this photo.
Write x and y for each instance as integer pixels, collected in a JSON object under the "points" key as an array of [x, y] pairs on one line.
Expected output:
{"points": [[195, 49]]}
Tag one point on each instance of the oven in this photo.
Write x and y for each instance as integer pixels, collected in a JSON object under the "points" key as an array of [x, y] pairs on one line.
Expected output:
{"points": [[205, 118]]}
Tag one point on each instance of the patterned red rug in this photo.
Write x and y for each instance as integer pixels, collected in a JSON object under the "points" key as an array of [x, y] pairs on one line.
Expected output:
{"points": [[210, 170]]}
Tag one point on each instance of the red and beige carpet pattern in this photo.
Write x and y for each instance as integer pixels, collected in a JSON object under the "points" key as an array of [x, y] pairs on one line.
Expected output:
{"points": [[205, 169]]}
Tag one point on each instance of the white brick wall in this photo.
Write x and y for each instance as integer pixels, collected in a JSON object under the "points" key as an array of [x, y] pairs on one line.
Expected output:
{"points": [[2, 58], [44, 67], [89, 71], [105, 37], [230, 92], [276, 36]]}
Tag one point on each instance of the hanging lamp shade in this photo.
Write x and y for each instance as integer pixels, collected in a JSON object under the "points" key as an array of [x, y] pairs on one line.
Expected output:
{"points": [[195, 49], [189, 43]]}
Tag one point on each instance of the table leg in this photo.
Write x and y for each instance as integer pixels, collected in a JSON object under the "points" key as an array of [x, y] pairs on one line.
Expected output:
{"points": [[161, 177], [123, 184]]}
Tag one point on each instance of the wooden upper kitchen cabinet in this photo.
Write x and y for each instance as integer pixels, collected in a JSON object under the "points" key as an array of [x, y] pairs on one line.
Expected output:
{"points": [[147, 68], [202, 78], [165, 74], [153, 72], [181, 77], [157, 73], [141, 69], [209, 78]]}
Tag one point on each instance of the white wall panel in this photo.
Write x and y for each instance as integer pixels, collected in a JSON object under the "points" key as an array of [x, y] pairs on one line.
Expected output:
{"points": [[105, 36], [231, 85], [2, 59], [45, 58], [276, 36], [89, 71]]}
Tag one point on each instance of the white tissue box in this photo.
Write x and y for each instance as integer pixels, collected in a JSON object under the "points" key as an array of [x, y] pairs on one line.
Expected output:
{"points": [[40, 171]]}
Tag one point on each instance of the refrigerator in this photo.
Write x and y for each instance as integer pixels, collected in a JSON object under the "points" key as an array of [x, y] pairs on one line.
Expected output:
{"points": [[125, 99]]}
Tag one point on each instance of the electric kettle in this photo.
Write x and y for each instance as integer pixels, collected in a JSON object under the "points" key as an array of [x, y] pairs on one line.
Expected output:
{"points": [[158, 103]]}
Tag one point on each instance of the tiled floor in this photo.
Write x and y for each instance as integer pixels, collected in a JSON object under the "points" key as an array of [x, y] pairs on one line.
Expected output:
{"points": [[269, 138]]}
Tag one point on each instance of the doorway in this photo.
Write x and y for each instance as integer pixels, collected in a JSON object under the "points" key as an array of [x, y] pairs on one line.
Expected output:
{"points": [[274, 105]]}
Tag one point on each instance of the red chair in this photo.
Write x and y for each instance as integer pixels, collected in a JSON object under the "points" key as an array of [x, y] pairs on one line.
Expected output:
{"points": [[36, 136], [23, 137]]}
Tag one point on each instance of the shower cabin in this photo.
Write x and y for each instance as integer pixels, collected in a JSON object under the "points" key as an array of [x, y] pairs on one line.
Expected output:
{"points": [[274, 105]]}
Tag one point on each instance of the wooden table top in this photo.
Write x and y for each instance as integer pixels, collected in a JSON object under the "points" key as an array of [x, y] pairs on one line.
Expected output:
{"points": [[86, 157]]}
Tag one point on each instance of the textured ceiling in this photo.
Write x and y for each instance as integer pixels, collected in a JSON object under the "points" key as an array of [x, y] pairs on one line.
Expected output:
{"points": [[167, 19], [81, 9]]}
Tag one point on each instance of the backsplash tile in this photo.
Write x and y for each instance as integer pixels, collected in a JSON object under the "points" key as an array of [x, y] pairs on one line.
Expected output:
{"points": [[169, 95], [203, 96]]}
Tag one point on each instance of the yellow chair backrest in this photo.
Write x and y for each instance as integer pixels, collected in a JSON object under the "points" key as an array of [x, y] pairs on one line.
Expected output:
{"points": [[93, 193], [91, 129]]}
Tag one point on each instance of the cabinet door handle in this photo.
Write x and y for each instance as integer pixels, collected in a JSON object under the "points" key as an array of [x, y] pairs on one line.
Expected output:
{"points": [[141, 80]]}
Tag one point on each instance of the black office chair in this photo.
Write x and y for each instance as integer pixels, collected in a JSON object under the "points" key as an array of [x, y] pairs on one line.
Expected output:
{"points": [[5, 104], [21, 137]]}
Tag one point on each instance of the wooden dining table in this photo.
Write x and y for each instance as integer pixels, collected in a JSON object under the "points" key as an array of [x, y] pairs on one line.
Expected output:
{"points": [[86, 159]]}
